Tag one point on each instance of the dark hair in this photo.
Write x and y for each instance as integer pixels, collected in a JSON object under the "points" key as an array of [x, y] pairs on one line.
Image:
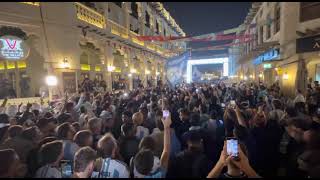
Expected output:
{"points": [[82, 158], [69, 105], [29, 133], [76, 126], [184, 111], [81, 137], [195, 119], [143, 161], [147, 143], [63, 129], [50, 152], [83, 109], [159, 123], [127, 129], [62, 118], [4, 118], [43, 122], [127, 113], [7, 157], [277, 104], [15, 130]]}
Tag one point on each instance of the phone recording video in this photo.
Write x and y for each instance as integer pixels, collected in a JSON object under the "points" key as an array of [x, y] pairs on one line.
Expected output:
{"points": [[233, 103], [232, 147], [66, 168], [165, 113]]}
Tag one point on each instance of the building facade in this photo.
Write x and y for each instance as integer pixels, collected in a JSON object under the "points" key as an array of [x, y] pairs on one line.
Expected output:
{"points": [[284, 45], [73, 40]]}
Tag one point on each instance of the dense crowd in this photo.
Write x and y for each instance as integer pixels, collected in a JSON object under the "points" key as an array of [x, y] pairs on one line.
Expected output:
{"points": [[102, 134]]}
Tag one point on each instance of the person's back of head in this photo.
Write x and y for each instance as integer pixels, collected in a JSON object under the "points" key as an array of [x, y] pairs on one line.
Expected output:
{"points": [[84, 161], [194, 140], [159, 123], [31, 134], [64, 131], [95, 125], [69, 106], [64, 117], [195, 119], [143, 161], [15, 131], [83, 110], [51, 153], [276, 104], [147, 143], [82, 137], [137, 118], [107, 146], [76, 126], [7, 158]]}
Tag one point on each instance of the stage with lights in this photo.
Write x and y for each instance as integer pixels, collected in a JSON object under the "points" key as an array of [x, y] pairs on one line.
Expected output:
{"points": [[203, 70]]}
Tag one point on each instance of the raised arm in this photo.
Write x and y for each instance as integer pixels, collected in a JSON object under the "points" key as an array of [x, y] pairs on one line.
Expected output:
{"points": [[166, 142], [240, 118], [217, 169]]}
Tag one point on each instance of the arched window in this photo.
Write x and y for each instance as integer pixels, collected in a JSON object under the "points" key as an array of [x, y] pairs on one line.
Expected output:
{"points": [[134, 10], [147, 19], [157, 27], [84, 58]]}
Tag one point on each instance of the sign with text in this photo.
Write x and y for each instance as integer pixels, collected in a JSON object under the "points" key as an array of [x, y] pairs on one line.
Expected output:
{"points": [[308, 44], [270, 55], [13, 48]]}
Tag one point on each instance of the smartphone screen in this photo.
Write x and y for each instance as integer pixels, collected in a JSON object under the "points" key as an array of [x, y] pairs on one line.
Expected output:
{"points": [[66, 169], [165, 113], [232, 147]]}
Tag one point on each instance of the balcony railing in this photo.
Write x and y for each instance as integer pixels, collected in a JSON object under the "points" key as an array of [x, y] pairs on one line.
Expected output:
{"points": [[118, 29], [90, 16], [134, 38], [32, 3]]}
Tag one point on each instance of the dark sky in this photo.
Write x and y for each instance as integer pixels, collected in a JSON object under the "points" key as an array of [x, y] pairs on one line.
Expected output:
{"points": [[197, 18]]}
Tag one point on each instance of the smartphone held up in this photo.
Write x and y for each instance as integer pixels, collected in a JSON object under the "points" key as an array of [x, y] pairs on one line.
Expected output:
{"points": [[232, 147]]}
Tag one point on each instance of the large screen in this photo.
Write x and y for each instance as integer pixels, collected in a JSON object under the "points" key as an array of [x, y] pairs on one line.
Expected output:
{"points": [[202, 69]]}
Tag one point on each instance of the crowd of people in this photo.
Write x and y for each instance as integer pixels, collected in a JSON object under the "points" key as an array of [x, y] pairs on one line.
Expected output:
{"points": [[98, 134]]}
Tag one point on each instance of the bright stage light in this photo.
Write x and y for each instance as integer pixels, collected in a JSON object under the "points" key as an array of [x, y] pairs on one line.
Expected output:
{"points": [[224, 61], [51, 80]]}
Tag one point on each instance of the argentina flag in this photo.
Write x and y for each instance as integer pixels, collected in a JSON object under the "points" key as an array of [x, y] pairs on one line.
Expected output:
{"points": [[176, 69]]}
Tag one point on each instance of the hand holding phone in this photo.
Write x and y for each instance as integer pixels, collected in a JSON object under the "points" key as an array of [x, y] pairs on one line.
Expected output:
{"points": [[165, 114], [232, 147]]}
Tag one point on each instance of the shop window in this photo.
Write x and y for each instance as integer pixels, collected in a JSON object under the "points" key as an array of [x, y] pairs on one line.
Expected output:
{"points": [[309, 11], [22, 64], [134, 10], [85, 67], [268, 26], [277, 18], [11, 65], [98, 68]]}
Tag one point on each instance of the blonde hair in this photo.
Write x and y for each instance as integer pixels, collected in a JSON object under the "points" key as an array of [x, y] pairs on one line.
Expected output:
{"points": [[137, 118]]}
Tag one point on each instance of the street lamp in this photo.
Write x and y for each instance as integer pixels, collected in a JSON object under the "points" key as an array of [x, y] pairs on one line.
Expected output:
{"points": [[285, 76], [51, 81]]}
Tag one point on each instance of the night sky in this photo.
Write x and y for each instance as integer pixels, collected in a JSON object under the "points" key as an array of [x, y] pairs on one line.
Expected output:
{"points": [[197, 18]]}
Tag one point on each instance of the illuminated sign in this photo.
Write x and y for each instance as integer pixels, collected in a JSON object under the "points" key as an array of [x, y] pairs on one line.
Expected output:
{"points": [[267, 66], [267, 56], [13, 48]]}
